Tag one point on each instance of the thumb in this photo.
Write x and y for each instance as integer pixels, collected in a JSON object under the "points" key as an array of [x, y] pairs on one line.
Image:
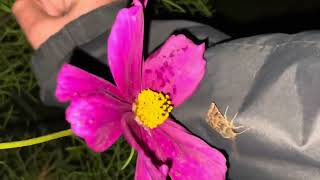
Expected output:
{"points": [[29, 14], [56, 7]]}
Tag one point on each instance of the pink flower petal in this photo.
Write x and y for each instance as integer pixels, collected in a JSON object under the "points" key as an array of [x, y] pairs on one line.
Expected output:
{"points": [[146, 170], [185, 155], [128, 126], [132, 131], [125, 46], [97, 119], [192, 157], [74, 82], [176, 68]]}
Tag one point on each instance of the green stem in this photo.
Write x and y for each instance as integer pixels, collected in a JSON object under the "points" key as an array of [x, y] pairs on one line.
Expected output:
{"points": [[128, 160], [38, 140]]}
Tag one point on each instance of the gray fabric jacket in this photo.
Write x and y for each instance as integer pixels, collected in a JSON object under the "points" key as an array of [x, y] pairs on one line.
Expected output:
{"points": [[270, 80]]}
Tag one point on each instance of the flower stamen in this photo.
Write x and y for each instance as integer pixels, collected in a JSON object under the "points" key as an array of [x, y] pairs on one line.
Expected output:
{"points": [[152, 108]]}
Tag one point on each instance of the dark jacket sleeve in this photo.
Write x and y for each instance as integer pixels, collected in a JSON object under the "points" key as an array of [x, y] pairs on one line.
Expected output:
{"points": [[83, 43]]}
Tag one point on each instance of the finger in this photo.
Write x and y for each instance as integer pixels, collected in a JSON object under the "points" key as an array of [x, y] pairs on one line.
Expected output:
{"points": [[55, 8], [80, 7], [52, 9], [39, 25], [28, 15]]}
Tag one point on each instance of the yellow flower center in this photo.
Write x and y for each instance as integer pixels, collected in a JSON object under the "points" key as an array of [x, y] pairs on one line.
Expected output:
{"points": [[152, 108]]}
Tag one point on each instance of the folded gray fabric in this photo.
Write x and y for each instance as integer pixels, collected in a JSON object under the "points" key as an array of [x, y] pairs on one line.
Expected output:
{"points": [[271, 80]]}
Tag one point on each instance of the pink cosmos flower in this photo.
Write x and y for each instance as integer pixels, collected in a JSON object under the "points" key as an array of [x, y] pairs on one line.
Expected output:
{"points": [[139, 105]]}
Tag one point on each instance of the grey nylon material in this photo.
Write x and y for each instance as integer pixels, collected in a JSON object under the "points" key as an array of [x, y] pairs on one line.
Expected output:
{"points": [[271, 80]]}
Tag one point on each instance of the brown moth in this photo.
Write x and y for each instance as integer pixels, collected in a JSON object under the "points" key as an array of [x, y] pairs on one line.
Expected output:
{"points": [[222, 124]]}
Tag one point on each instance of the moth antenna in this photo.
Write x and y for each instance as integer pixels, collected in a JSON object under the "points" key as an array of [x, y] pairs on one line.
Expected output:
{"points": [[225, 112], [243, 131]]}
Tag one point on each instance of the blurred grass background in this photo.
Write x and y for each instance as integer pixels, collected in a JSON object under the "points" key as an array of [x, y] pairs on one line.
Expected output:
{"points": [[22, 115]]}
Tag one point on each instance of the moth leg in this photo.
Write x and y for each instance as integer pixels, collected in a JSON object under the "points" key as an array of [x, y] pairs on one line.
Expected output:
{"points": [[238, 127], [225, 112], [234, 117]]}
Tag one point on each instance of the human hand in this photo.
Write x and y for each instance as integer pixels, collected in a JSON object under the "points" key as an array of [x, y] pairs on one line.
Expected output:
{"points": [[40, 19]]}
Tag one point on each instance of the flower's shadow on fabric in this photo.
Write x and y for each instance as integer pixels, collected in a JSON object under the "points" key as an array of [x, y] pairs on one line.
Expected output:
{"points": [[85, 61], [186, 33]]}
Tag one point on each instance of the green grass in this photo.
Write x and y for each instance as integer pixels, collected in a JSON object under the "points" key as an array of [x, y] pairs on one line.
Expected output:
{"points": [[22, 115], [202, 8]]}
